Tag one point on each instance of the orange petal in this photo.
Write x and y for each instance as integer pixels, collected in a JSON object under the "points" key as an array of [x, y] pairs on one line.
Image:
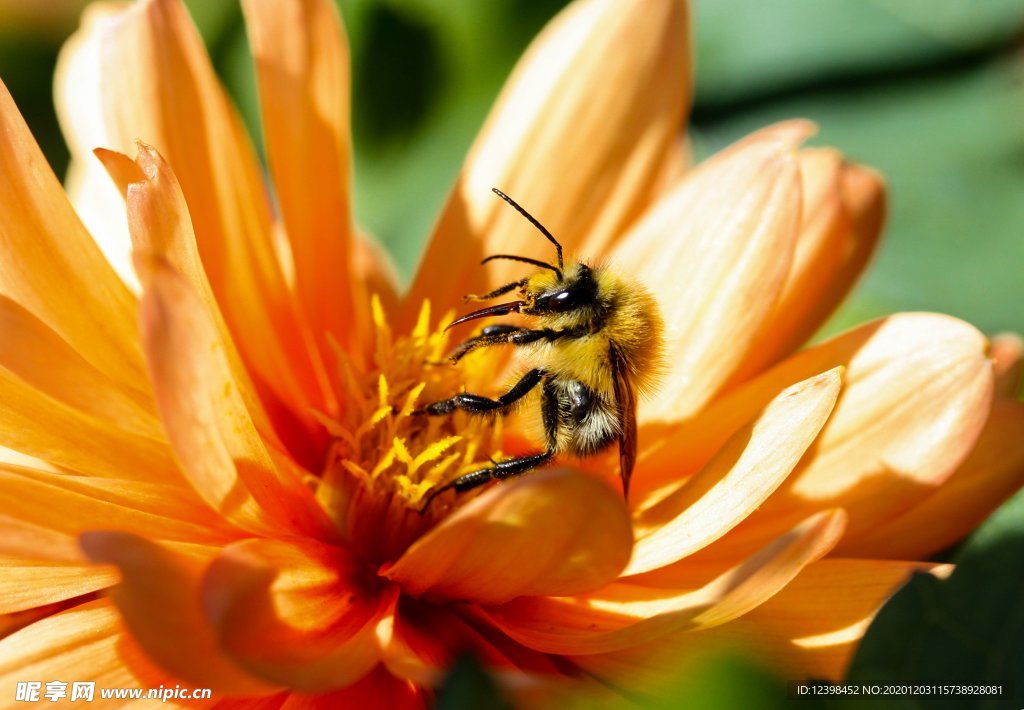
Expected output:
{"points": [[992, 472], [38, 425], [623, 615], [159, 600], [74, 504], [1008, 359], [841, 220], [559, 531], [577, 137], [372, 264], [300, 614], [34, 353], [42, 566], [86, 643], [156, 84], [378, 689], [52, 268], [302, 66], [715, 252], [918, 390], [207, 417], [741, 476], [24, 585]]}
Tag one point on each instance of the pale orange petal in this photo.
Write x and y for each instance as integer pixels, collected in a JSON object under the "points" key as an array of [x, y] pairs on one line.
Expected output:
{"points": [[841, 220], [622, 615], [300, 613], [51, 267], [741, 476], [159, 600], [156, 84], [302, 66], [918, 390], [207, 418], [809, 629], [992, 472], [577, 137], [559, 532], [102, 212], [813, 626], [86, 643], [1008, 359], [715, 252]]}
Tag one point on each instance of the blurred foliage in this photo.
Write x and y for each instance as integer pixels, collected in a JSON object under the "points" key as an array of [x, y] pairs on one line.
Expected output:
{"points": [[968, 628]]}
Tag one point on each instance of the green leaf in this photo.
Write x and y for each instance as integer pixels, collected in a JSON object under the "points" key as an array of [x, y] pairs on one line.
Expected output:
{"points": [[968, 628], [750, 49], [468, 687]]}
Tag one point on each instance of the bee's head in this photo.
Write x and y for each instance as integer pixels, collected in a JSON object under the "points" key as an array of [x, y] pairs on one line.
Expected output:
{"points": [[553, 291], [574, 290]]}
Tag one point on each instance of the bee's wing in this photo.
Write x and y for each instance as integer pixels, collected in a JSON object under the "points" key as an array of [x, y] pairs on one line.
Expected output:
{"points": [[626, 398]]}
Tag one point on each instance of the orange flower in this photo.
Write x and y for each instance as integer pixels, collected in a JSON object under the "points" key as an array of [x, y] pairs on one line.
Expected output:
{"points": [[211, 475]]}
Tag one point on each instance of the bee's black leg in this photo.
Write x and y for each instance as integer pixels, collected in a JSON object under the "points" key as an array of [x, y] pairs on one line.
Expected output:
{"points": [[500, 471], [500, 291], [478, 404], [486, 337]]}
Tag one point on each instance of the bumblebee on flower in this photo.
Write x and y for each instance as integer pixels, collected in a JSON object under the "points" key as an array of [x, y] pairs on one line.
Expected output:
{"points": [[217, 423]]}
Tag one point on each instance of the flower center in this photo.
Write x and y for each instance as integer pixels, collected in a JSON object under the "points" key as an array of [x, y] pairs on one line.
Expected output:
{"points": [[385, 456]]}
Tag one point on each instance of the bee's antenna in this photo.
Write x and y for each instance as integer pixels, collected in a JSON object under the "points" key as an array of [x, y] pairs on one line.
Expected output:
{"points": [[525, 260], [535, 223]]}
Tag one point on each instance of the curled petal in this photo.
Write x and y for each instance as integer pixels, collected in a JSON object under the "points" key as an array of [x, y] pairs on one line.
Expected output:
{"points": [[576, 137], [559, 532], [715, 253], [159, 600], [990, 474], [841, 220], [623, 615], [741, 476], [206, 415], [299, 614]]}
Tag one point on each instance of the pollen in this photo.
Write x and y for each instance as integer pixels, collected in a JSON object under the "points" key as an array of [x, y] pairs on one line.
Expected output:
{"points": [[386, 456]]}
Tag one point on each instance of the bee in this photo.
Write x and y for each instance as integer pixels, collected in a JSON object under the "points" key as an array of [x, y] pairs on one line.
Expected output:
{"points": [[597, 344]]}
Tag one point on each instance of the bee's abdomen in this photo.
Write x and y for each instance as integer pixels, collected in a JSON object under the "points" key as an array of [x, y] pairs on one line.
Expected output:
{"points": [[587, 421]]}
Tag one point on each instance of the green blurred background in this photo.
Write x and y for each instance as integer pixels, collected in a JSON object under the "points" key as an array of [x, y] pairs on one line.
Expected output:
{"points": [[930, 93]]}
